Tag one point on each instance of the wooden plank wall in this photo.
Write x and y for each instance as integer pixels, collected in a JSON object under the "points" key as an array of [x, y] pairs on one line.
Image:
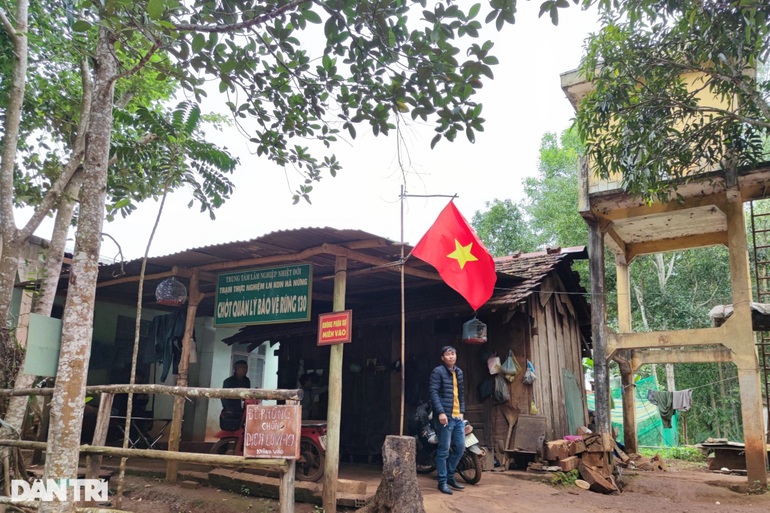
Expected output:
{"points": [[555, 345]]}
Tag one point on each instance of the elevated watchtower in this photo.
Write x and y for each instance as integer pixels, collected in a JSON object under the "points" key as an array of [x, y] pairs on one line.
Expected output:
{"points": [[708, 211]]}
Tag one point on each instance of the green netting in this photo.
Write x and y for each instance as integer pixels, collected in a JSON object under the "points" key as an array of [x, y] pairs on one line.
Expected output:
{"points": [[649, 426]]}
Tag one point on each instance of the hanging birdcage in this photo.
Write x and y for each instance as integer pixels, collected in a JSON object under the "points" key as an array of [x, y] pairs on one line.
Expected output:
{"points": [[474, 332], [171, 292]]}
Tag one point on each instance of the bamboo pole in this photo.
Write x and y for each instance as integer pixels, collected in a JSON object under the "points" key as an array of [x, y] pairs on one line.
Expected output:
{"points": [[175, 432], [331, 466], [274, 465], [192, 392]]}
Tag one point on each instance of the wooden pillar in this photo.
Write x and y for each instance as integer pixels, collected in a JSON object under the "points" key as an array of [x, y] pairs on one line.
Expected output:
{"points": [[626, 371], [175, 430], [331, 466], [598, 315], [744, 343], [286, 489]]}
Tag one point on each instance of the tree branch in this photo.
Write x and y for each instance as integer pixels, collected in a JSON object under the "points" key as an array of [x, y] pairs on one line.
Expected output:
{"points": [[12, 122], [9, 28], [232, 27], [139, 65], [78, 150]]}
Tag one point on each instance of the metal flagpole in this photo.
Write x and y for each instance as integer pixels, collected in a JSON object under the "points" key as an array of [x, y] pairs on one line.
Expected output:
{"points": [[403, 320], [403, 302]]}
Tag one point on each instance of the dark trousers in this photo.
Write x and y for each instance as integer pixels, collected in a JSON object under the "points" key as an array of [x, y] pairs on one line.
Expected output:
{"points": [[451, 446]]}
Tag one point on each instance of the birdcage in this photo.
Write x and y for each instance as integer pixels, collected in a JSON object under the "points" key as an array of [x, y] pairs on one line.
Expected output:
{"points": [[474, 332], [171, 292]]}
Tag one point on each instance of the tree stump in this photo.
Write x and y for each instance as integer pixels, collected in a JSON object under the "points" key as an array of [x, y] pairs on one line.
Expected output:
{"points": [[398, 491]]}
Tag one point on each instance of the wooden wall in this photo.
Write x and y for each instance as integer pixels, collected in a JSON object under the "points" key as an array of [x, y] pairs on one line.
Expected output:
{"points": [[555, 345], [543, 329]]}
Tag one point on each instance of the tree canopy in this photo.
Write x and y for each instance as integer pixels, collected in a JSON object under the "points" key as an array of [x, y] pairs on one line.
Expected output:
{"points": [[643, 119]]}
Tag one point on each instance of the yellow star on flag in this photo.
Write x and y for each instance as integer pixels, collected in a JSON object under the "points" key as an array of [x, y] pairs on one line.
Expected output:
{"points": [[462, 254]]}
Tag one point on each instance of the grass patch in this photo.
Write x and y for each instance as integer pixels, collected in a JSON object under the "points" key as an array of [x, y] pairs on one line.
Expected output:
{"points": [[683, 453], [565, 478]]}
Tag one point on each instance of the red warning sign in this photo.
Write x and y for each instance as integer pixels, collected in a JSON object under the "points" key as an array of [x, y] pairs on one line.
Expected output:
{"points": [[335, 328]]}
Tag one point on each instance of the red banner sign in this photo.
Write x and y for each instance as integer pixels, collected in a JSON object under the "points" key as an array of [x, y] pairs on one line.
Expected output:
{"points": [[272, 431], [335, 328]]}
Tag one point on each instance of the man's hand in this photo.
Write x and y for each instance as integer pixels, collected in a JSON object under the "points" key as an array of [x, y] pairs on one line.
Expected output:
{"points": [[442, 419]]}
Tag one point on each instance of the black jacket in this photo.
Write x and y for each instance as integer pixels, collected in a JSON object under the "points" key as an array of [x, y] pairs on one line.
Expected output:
{"points": [[441, 393]]}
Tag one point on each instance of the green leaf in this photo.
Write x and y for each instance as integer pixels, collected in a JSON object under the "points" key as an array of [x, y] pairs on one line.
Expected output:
{"points": [[122, 203], [475, 8], [198, 43], [435, 141], [81, 26], [311, 16], [155, 9]]}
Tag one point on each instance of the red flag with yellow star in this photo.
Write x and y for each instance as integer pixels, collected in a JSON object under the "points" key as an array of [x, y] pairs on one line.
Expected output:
{"points": [[454, 249]]}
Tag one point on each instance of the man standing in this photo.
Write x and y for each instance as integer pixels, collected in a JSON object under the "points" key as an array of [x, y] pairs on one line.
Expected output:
{"points": [[447, 396], [232, 409]]}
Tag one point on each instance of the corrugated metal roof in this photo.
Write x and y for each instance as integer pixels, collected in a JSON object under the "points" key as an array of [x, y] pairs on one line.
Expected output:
{"points": [[372, 290]]}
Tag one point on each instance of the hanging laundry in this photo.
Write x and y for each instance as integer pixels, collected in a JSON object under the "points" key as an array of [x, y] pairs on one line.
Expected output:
{"points": [[682, 399], [665, 403], [166, 333]]}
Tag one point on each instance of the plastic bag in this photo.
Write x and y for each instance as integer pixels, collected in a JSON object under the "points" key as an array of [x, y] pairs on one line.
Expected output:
{"points": [[511, 367], [502, 394], [493, 363], [529, 376], [486, 388]]}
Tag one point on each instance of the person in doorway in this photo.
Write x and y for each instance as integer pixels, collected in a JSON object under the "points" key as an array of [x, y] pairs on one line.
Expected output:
{"points": [[447, 397], [232, 409]]}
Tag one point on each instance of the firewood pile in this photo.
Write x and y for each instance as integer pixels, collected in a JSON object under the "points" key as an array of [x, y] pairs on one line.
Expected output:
{"points": [[595, 456]]}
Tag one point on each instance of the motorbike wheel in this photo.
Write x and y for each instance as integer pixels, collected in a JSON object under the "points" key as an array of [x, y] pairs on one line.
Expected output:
{"points": [[225, 446], [469, 468], [426, 459], [425, 467], [310, 466]]}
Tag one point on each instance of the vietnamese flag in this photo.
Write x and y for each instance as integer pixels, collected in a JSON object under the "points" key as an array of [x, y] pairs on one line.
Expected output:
{"points": [[454, 249]]}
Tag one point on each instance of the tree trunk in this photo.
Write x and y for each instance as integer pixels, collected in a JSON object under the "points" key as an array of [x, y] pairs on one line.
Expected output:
{"points": [[398, 491], [50, 279], [11, 241], [77, 324]]}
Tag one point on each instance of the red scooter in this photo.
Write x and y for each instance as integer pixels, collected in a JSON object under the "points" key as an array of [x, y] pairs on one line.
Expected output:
{"points": [[312, 448]]}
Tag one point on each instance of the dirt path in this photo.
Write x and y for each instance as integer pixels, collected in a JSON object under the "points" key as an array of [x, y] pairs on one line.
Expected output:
{"points": [[684, 488]]}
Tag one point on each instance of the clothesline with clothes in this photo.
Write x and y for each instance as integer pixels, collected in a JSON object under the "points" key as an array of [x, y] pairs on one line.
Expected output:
{"points": [[693, 388], [667, 402], [164, 342]]}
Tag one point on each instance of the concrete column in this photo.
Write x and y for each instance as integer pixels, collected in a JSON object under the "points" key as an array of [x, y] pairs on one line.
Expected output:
{"points": [[743, 343], [626, 370], [598, 317]]}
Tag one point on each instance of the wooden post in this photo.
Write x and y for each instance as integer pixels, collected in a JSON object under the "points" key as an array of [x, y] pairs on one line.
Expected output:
{"points": [[175, 431], [744, 343], [598, 313], [94, 461], [286, 490], [42, 434], [626, 371], [331, 466]]}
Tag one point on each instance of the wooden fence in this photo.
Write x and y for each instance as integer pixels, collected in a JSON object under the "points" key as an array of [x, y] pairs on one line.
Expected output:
{"points": [[97, 449]]}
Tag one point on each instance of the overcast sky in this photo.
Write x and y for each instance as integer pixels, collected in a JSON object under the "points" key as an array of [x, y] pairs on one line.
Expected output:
{"points": [[522, 103]]}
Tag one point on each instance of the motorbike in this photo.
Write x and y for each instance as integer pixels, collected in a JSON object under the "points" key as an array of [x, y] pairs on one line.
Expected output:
{"points": [[469, 466], [312, 448]]}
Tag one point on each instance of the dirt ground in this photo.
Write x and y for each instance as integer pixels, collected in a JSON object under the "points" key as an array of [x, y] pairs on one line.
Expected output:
{"points": [[684, 487]]}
